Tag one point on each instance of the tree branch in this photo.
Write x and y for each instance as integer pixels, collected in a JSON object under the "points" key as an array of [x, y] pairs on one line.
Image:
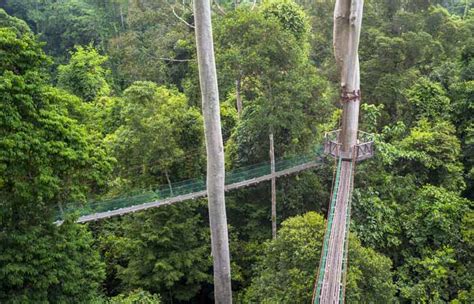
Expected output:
{"points": [[173, 60], [220, 8], [181, 19], [253, 5]]}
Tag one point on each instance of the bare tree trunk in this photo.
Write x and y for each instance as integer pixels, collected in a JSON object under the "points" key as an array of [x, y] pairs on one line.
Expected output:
{"points": [[237, 95], [272, 167], [61, 210], [169, 182], [215, 152], [466, 9], [347, 25], [122, 21]]}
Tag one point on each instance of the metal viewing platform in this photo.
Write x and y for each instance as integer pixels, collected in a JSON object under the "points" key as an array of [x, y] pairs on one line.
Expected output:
{"points": [[362, 150]]}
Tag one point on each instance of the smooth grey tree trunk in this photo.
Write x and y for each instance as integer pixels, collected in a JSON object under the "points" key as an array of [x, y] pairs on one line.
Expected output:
{"points": [[347, 25], [272, 169], [215, 152]]}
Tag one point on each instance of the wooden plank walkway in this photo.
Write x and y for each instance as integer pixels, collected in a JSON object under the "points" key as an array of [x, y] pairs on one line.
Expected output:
{"points": [[196, 195], [332, 290]]}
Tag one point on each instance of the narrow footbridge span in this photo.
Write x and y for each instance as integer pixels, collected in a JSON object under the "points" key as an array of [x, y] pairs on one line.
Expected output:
{"points": [[189, 189], [331, 276], [330, 285]]}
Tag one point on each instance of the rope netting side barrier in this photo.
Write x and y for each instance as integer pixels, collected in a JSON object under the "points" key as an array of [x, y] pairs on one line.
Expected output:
{"points": [[327, 235], [175, 189]]}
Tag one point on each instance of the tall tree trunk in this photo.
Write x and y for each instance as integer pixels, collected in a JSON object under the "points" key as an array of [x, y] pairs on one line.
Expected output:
{"points": [[272, 168], [237, 95], [347, 25], [466, 9], [122, 21], [169, 182], [215, 152], [330, 287]]}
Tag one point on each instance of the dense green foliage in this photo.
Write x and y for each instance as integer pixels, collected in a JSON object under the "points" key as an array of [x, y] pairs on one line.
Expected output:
{"points": [[100, 98], [165, 251], [160, 136], [136, 297], [84, 75], [46, 159], [285, 272]]}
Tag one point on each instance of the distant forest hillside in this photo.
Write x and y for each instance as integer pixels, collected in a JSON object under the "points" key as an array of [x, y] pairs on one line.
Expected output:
{"points": [[100, 99]]}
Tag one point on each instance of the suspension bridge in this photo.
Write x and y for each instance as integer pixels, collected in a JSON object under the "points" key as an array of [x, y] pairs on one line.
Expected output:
{"points": [[331, 277], [347, 147], [330, 283], [189, 189]]}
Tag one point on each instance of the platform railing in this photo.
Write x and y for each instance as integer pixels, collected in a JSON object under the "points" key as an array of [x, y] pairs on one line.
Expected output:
{"points": [[362, 150]]}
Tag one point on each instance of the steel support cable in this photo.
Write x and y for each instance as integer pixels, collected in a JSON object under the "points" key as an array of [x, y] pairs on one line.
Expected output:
{"points": [[327, 235]]}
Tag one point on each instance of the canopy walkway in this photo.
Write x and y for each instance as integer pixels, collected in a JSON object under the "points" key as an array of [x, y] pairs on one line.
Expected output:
{"points": [[188, 189], [330, 284], [331, 277]]}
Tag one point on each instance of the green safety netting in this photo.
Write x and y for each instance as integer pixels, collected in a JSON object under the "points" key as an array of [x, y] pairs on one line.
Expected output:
{"points": [[185, 187]]}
